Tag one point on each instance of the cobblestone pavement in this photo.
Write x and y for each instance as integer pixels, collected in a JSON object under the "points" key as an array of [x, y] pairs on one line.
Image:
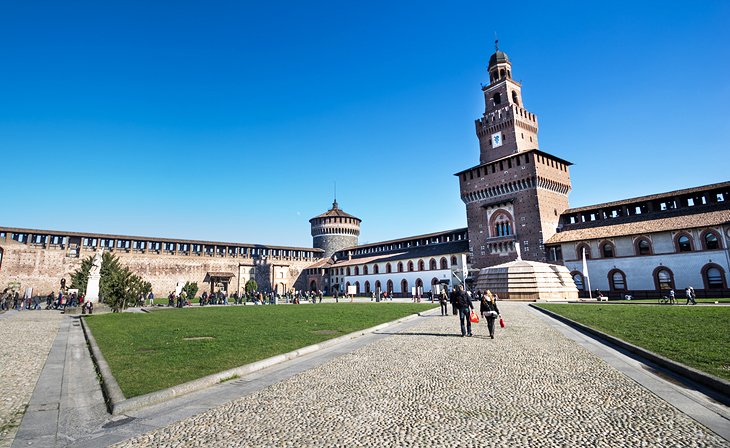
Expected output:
{"points": [[427, 387], [27, 338]]}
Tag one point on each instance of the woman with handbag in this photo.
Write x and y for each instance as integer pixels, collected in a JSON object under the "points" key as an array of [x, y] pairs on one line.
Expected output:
{"points": [[488, 309]]}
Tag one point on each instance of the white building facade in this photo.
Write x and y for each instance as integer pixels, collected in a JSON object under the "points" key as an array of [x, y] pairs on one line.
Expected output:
{"points": [[648, 245]]}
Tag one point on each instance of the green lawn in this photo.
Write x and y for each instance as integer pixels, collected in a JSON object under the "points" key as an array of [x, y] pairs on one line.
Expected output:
{"points": [[680, 300], [149, 352], [696, 336]]}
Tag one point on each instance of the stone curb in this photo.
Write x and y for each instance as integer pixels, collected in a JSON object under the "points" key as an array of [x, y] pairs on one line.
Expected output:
{"points": [[717, 384], [110, 387], [117, 403]]}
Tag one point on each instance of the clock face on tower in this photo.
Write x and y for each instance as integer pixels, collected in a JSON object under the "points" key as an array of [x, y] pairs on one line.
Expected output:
{"points": [[497, 139]]}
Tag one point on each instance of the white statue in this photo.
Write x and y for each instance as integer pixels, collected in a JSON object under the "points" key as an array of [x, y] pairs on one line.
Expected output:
{"points": [[96, 264], [92, 285]]}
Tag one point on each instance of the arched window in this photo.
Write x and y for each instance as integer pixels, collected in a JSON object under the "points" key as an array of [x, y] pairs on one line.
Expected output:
{"points": [[714, 276], [376, 269], [400, 266], [348, 270], [501, 74], [389, 285], [404, 286], [579, 251], [578, 279], [388, 268], [617, 280], [663, 279], [357, 288], [502, 225], [421, 265], [453, 260], [443, 263], [514, 98], [683, 243], [607, 250], [497, 98], [410, 266], [434, 282], [347, 285], [643, 247], [419, 284], [357, 270], [377, 285], [710, 241], [365, 270], [432, 264], [367, 287]]}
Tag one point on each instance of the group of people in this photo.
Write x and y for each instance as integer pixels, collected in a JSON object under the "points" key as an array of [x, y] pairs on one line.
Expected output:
{"points": [[461, 302], [10, 299], [254, 297]]}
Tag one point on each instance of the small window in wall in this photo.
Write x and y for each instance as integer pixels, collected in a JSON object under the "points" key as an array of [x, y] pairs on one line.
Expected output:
{"points": [[684, 244], [453, 261], [618, 280], [664, 280], [578, 279], [607, 250], [720, 197], [711, 241], [643, 247], [497, 98], [715, 278]]}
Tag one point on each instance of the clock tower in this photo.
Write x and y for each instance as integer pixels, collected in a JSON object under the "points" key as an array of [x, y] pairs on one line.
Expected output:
{"points": [[506, 126], [515, 196]]}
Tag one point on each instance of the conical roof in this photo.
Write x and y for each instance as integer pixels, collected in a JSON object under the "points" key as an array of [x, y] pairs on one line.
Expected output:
{"points": [[336, 212]]}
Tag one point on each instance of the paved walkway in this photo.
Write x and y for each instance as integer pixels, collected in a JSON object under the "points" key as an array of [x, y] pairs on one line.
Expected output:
{"points": [[26, 340], [531, 386], [538, 383]]}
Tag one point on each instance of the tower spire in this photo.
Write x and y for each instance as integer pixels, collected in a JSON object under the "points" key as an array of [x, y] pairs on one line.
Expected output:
{"points": [[334, 203]]}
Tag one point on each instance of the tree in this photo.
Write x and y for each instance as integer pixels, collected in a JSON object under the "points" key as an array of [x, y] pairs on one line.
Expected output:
{"points": [[190, 290], [251, 286], [118, 286], [80, 276]]}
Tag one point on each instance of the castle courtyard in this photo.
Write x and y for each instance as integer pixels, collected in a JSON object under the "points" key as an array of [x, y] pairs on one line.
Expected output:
{"points": [[538, 383]]}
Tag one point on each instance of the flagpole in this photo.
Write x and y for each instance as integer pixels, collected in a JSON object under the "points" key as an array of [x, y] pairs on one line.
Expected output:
{"points": [[585, 274]]}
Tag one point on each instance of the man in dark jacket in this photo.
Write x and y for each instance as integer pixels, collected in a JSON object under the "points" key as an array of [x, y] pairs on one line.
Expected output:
{"points": [[465, 306]]}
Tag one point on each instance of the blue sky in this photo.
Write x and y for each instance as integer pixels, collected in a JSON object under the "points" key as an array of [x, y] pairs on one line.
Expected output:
{"points": [[232, 120]]}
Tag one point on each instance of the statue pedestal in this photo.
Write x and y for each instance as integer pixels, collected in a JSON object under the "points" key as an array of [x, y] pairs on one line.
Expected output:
{"points": [[92, 288]]}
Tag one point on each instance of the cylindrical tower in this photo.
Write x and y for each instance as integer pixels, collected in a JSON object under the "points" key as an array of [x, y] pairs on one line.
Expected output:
{"points": [[334, 230]]}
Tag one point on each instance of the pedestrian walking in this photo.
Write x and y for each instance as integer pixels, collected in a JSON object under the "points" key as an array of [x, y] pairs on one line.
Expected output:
{"points": [[452, 299], [488, 309], [465, 307], [443, 301], [692, 295]]}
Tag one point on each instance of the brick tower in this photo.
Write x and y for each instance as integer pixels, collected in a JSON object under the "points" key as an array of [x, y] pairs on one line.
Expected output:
{"points": [[334, 230], [515, 196]]}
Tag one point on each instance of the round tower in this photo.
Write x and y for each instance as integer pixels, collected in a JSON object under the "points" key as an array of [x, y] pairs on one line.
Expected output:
{"points": [[334, 230]]}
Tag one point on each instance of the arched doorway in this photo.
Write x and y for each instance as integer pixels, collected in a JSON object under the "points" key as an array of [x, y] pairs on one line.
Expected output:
{"points": [[377, 285], [404, 287], [389, 287], [313, 286], [280, 288], [367, 287]]}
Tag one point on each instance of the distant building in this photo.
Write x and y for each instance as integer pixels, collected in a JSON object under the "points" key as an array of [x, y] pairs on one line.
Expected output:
{"points": [[648, 245], [516, 198]]}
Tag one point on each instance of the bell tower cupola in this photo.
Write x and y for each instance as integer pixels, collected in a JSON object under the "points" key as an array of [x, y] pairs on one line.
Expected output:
{"points": [[506, 127]]}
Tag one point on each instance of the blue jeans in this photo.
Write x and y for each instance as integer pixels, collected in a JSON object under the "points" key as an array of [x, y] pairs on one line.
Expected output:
{"points": [[464, 316]]}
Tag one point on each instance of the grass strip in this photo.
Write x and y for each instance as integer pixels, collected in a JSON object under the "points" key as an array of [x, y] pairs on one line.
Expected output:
{"points": [[150, 352], [696, 336]]}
